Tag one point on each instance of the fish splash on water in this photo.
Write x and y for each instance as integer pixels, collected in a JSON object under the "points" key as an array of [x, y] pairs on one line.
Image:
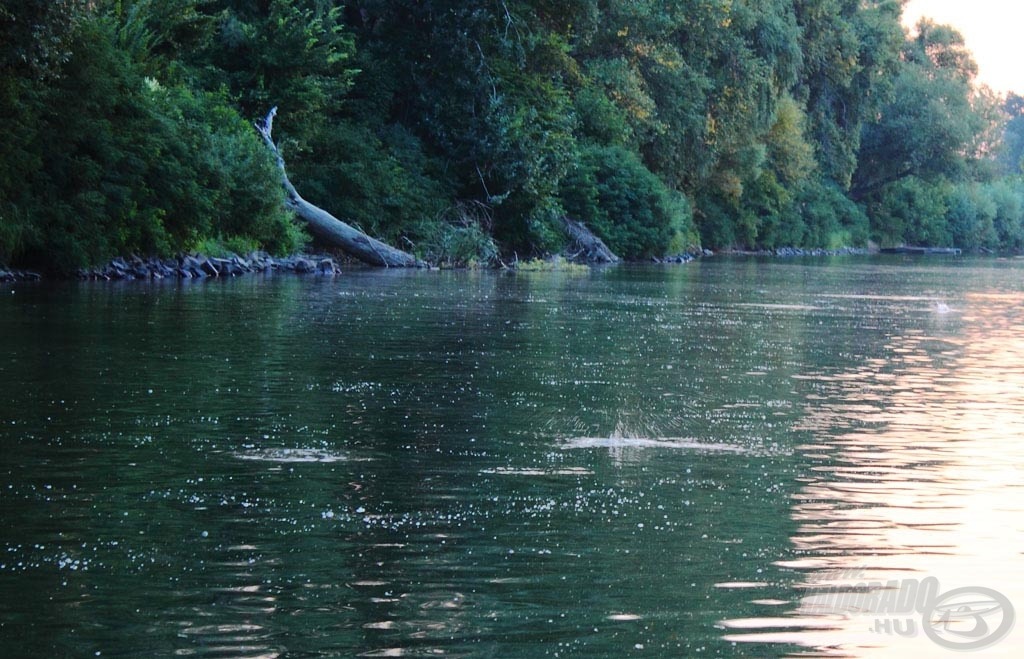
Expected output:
{"points": [[676, 443], [290, 455]]}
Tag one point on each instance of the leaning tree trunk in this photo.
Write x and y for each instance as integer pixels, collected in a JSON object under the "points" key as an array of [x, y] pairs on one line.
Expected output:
{"points": [[591, 248], [329, 229]]}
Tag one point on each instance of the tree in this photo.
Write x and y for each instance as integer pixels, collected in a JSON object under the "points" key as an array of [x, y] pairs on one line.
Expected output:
{"points": [[1011, 154], [932, 125], [131, 166], [851, 52], [480, 84], [36, 35], [455, 129], [293, 54], [330, 229]]}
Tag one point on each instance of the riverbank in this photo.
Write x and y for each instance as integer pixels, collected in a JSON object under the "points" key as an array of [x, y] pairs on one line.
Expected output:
{"points": [[197, 266], [7, 275], [788, 252], [194, 266]]}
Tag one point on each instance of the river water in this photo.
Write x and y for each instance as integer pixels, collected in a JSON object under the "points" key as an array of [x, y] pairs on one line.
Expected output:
{"points": [[817, 457]]}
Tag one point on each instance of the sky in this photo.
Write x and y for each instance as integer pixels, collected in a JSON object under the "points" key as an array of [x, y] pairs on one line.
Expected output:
{"points": [[992, 30]]}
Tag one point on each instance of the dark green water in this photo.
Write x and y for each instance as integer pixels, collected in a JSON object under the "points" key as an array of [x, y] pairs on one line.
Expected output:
{"points": [[632, 462]]}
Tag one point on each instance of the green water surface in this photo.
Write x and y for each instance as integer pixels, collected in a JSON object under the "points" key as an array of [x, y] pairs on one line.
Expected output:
{"points": [[639, 461]]}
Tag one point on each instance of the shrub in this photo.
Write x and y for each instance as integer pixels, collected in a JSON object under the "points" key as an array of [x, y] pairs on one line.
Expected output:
{"points": [[1008, 198], [830, 219], [459, 237], [912, 211], [130, 167], [970, 216], [381, 182], [626, 205]]}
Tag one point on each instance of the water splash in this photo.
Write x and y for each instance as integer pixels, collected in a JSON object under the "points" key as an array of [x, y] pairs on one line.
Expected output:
{"points": [[291, 455], [528, 471], [625, 436], [672, 443]]}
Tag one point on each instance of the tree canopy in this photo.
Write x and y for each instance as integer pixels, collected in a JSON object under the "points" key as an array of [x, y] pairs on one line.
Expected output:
{"points": [[464, 130]]}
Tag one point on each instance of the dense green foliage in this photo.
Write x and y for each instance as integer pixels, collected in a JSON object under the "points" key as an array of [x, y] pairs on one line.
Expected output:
{"points": [[633, 210], [461, 130], [104, 160]]}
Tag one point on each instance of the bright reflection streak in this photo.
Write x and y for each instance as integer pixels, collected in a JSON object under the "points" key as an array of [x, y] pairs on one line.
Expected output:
{"points": [[918, 476]]}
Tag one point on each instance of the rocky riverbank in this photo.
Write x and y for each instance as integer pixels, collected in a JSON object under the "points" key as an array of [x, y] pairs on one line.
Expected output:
{"points": [[195, 266], [780, 252], [18, 275], [685, 257], [786, 252]]}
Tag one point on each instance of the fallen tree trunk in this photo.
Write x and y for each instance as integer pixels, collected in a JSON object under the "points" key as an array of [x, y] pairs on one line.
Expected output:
{"points": [[588, 247], [330, 230]]}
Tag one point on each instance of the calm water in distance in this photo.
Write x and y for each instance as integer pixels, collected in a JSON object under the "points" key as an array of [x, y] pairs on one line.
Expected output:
{"points": [[715, 459]]}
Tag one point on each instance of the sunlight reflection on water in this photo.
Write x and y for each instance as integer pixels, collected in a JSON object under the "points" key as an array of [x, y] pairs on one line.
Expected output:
{"points": [[919, 458]]}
